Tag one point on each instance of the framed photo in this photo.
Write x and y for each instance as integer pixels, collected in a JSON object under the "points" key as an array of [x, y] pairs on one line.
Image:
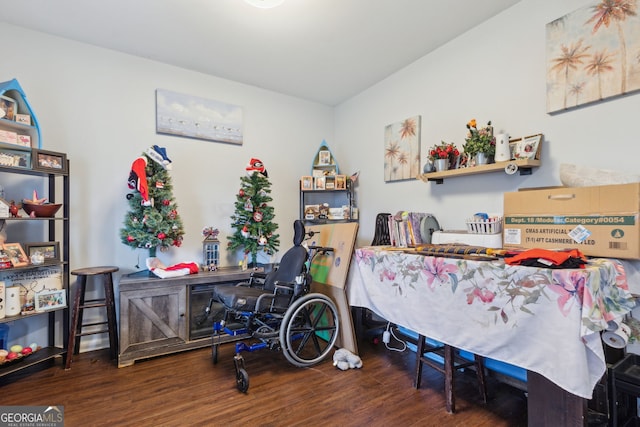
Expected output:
{"points": [[527, 147], [15, 158], [341, 182], [324, 157], [49, 250], [24, 119], [50, 300], [306, 183], [16, 254], [8, 108], [330, 183], [49, 161], [320, 182]]}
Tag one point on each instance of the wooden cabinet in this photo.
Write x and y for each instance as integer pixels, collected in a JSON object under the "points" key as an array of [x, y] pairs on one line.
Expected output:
{"points": [[157, 315], [37, 278]]}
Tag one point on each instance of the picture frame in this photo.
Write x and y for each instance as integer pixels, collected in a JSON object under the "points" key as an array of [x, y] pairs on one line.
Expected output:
{"points": [[324, 157], [25, 119], [50, 299], [320, 182], [16, 254], [527, 147], [8, 108], [49, 250], [330, 183], [15, 158], [49, 161], [306, 183], [341, 182]]}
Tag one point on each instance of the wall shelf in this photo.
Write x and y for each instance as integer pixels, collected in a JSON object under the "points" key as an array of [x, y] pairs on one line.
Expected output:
{"points": [[525, 167]]}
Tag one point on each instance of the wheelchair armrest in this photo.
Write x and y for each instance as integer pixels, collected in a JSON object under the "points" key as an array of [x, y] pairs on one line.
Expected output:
{"points": [[286, 287]]}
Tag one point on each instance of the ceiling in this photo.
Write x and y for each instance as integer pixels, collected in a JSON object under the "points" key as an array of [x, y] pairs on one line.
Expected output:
{"points": [[325, 51]]}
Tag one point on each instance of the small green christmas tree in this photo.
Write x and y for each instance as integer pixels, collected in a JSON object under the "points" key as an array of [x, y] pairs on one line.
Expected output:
{"points": [[153, 220], [253, 218]]}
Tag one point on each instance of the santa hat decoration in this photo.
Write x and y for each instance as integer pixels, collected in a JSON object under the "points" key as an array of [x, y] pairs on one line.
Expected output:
{"points": [[256, 165], [138, 179]]}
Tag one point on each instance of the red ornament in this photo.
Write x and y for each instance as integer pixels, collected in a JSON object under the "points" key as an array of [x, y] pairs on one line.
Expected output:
{"points": [[166, 202], [257, 216], [241, 193], [161, 235], [130, 238], [177, 243]]}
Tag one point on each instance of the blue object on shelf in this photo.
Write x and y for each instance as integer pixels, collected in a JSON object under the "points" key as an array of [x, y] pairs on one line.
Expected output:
{"points": [[13, 90]]}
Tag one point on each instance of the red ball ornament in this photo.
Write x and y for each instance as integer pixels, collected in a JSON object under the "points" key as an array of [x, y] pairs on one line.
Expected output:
{"points": [[166, 202], [161, 235], [241, 193], [257, 216], [130, 238]]}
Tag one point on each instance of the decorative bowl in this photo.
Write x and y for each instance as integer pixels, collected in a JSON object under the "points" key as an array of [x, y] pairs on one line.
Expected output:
{"points": [[45, 210]]}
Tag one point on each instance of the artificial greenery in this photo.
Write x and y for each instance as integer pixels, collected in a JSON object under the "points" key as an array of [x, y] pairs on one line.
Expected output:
{"points": [[253, 218], [479, 140], [157, 225]]}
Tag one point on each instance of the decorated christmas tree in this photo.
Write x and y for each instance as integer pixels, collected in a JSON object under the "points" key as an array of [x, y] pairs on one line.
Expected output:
{"points": [[153, 221], [253, 217]]}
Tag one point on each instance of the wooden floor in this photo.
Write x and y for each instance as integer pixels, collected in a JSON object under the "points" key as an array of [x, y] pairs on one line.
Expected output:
{"points": [[186, 389]]}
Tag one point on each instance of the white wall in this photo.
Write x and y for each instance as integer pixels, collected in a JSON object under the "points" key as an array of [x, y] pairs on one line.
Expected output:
{"points": [[98, 106], [493, 72]]}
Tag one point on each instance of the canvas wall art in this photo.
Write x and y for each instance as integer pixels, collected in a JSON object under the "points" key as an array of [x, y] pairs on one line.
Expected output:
{"points": [[593, 54], [402, 150], [193, 117]]}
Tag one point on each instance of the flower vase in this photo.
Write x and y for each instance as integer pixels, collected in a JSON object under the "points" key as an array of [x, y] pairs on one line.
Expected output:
{"points": [[482, 158], [441, 164]]}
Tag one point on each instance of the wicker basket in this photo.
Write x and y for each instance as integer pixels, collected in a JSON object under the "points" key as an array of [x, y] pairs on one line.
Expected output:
{"points": [[492, 225]]}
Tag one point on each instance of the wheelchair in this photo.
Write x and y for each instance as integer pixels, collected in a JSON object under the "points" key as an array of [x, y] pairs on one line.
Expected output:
{"points": [[277, 311]]}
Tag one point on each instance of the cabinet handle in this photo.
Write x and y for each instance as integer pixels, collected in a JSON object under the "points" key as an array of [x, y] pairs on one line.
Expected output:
{"points": [[181, 314]]}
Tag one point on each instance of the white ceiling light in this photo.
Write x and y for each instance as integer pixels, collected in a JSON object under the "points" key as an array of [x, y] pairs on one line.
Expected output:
{"points": [[265, 4]]}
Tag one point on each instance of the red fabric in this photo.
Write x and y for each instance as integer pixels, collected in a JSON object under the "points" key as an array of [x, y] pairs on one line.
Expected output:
{"points": [[139, 168], [192, 266], [555, 257]]}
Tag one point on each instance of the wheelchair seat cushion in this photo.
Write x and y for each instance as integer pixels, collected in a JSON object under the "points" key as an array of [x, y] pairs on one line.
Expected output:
{"points": [[242, 298]]}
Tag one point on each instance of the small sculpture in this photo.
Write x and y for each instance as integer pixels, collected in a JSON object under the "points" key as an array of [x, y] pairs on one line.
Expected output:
{"points": [[13, 209]]}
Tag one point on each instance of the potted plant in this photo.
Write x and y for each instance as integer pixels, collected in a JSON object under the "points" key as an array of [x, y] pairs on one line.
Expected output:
{"points": [[479, 141], [443, 155]]}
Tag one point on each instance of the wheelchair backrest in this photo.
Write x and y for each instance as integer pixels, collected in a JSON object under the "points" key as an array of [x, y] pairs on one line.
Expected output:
{"points": [[293, 261]]}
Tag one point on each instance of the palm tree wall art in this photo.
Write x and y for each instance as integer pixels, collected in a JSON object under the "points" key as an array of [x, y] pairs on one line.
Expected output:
{"points": [[593, 54], [402, 150]]}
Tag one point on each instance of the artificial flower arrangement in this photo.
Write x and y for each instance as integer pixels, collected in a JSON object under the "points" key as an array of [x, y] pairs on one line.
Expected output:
{"points": [[479, 140], [444, 150]]}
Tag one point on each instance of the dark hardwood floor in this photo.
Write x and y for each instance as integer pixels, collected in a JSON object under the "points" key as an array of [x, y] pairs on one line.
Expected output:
{"points": [[187, 389]]}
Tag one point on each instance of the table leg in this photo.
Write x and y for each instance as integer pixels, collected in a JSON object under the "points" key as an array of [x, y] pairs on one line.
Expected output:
{"points": [[550, 405]]}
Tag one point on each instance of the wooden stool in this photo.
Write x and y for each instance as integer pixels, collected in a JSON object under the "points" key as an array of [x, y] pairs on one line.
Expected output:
{"points": [[79, 304], [450, 366]]}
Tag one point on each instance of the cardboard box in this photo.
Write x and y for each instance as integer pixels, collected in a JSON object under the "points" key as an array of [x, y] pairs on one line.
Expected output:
{"points": [[601, 221]]}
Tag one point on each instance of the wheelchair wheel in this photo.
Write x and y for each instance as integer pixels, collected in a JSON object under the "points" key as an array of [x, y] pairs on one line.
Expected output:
{"points": [[242, 380], [309, 330]]}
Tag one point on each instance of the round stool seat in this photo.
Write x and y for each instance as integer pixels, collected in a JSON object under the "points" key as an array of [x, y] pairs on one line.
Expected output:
{"points": [[92, 271]]}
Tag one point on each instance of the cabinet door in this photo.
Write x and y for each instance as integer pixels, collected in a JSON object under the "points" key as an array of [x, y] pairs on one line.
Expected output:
{"points": [[153, 315]]}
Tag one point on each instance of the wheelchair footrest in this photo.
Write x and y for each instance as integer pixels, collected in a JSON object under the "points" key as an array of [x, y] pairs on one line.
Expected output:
{"points": [[240, 347]]}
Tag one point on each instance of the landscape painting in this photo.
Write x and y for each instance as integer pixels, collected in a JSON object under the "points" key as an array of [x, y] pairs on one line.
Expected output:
{"points": [[193, 117], [402, 150], [593, 54]]}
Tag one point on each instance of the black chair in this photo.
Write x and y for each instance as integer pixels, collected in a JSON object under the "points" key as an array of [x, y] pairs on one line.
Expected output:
{"points": [[277, 311]]}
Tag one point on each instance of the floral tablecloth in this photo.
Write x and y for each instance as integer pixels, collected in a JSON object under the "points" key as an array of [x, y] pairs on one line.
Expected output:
{"points": [[545, 320]]}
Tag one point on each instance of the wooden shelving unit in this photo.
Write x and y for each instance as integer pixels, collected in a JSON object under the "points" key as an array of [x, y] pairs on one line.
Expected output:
{"points": [[525, 167]]}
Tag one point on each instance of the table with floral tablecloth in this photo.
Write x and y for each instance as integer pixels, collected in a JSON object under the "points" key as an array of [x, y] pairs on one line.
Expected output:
{"points": [[544, 320]]}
